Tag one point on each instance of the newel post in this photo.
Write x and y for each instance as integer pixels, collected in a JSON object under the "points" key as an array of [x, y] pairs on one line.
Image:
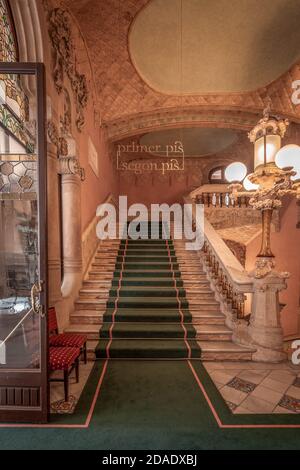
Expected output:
{"points": [[265, 328]]}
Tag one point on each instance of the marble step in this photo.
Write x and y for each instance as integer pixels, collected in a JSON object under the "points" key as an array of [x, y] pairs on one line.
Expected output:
{"points": [[87, 317], [91, 345], [187, 269], [93, 294], [224, 351], [197, 290], [101, 266], [90, 330], [213, 332], [199, 303], [213, 351], [144, 285], [88, 304], [193, 300], [194, 278], [188, 283], [209, 317], [100, 275], [105, 259], [205, 333], [101, 284]]}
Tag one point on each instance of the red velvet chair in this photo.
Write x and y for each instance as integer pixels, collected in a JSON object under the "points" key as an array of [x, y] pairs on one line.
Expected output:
{"points": [[71, 340], [65, 359]]}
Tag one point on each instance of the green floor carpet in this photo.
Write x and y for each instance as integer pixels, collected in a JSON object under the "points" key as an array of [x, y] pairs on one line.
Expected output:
{"points": [[147, 312], [154, 405]]}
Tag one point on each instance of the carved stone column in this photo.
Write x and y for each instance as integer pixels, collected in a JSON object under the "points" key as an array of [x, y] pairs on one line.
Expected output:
{"points": [[265, 328], [71, 226]]}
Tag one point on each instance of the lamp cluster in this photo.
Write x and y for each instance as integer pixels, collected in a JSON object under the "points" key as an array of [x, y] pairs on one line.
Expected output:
{"points": [[276, 173], [271, 161]]}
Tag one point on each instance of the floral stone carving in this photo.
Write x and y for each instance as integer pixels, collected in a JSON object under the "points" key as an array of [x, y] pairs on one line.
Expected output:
{"points": [[65, 61]]}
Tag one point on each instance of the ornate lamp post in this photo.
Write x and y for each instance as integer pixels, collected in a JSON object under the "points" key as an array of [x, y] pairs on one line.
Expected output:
{"points": [[276, 174]]}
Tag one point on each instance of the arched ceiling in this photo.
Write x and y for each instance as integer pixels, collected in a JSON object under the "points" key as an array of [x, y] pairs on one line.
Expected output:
{"points": [[124, 96], [200, 46], [196, 141]]}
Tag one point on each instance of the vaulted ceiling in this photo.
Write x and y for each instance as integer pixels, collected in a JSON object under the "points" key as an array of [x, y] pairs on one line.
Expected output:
{"points": [[235, 56], [201, 46]]}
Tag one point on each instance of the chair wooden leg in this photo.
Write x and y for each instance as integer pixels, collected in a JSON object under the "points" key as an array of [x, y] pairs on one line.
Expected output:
{"points": [[66, 384], [77, 370], [85, 353]]}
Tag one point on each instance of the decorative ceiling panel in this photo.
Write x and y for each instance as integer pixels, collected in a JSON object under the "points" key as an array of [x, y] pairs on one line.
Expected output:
{"points": [[122, 93]]}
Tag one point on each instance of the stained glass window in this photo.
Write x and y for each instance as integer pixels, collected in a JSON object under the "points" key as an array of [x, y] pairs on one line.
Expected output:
{"points": [[14, 108], [8, 49]]}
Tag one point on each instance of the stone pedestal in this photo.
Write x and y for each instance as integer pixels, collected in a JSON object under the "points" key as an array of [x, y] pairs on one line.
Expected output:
{"points": [[265, 328]]}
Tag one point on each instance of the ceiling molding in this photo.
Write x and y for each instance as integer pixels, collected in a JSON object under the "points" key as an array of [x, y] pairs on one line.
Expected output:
{"points": [[165, 119]]}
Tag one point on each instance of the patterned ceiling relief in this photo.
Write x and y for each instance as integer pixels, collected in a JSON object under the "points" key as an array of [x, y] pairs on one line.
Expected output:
{"points": [[124, 95]]}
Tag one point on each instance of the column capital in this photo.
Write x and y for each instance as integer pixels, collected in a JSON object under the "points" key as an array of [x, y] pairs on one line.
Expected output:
{"points": [[70, 166]]}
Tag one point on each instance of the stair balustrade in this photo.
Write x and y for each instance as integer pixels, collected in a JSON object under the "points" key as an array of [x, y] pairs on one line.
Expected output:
{"points": [[249, 300]]}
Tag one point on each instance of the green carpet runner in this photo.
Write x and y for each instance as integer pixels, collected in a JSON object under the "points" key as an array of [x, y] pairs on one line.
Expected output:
{"points": [[147, 313]]}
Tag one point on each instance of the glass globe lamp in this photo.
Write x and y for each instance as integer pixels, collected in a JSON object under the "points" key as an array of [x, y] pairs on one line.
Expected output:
{"points": [[235, 172], [248, 185], [288, 156], [265, 149]]}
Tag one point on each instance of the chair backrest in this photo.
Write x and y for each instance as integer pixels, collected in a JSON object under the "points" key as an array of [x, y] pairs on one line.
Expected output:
{"points": [[52, 321]]}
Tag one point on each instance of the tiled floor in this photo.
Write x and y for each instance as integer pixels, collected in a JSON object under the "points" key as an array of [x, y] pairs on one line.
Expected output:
{"points": [[247, 387], [57, 403], [250, 387]]}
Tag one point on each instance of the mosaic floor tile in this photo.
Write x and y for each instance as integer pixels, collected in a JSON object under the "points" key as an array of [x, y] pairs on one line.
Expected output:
{"points": [[290, 403], [231, 406], [242, 385], [64, 407]]}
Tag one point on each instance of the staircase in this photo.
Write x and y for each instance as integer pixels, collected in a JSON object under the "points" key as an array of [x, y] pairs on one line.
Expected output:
{"points": [[151, 299]]}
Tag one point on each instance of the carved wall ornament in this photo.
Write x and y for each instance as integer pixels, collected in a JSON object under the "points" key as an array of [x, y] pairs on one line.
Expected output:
{"points": [[54, 137], [264, 268], [60, 33], [66, 119]]}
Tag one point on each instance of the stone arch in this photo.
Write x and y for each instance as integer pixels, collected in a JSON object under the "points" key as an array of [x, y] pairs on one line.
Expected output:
{"points": [[28, 21], [164, 119]]}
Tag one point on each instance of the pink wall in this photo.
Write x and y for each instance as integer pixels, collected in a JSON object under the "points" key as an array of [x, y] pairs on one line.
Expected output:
{"points": [[154, 187], [152, 190], [285, 246], [95, 189]]}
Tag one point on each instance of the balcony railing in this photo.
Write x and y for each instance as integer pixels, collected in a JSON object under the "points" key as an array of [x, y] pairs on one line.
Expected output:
{"points": [[217, 195]]}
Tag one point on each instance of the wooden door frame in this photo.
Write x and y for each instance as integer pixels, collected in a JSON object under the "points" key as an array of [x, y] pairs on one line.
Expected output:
{"points": [[31, 378]]}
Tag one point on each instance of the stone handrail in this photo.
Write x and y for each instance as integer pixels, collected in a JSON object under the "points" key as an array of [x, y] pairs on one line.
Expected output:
{"points": [[89, 240], [228, 277]]}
